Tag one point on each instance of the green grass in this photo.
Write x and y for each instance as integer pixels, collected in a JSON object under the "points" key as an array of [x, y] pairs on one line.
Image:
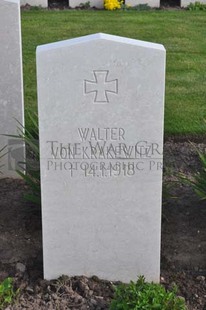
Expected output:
{"points": [[183, 34]]}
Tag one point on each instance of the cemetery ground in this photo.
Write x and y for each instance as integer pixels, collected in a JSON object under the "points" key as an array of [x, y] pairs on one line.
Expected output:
{"points": [[183, 224]]}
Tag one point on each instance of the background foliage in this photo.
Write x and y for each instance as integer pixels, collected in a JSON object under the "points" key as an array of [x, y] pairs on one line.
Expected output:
{"points": [[181, 32]]}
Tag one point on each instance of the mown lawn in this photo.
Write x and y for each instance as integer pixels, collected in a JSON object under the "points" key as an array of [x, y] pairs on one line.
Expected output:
{"points": [[183, 34]]}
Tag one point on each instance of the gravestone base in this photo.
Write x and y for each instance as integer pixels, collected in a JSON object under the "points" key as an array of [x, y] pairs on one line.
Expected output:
{"points": [[151, 3], [42, 3], [185, 3], [93, 3]]}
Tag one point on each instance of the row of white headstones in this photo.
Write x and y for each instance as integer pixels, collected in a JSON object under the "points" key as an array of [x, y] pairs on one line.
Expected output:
{"points": [[100, 3], [100, 105]]}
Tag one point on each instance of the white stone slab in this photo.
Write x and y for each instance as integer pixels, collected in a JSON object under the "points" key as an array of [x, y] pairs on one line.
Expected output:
{"points": [[151, 3], [42, 3], [185, 3], [11, 85], [97, 3], [101, 210]]}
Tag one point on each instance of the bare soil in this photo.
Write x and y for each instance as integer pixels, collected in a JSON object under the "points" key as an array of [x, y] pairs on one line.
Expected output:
{"points": [[183, 244]]}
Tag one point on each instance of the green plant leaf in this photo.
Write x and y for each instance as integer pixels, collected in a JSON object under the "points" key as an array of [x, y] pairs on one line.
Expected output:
{"points": [[145, 296]]}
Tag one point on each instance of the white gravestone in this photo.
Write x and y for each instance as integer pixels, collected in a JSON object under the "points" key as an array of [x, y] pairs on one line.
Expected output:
{"points": [[185, 3], [100, 100], [42, 3], [11, 86], [93, 3], [151, 3]]}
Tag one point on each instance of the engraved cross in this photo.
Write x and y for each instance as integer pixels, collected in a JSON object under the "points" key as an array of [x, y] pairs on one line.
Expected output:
{"points": [[101, 86]]}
